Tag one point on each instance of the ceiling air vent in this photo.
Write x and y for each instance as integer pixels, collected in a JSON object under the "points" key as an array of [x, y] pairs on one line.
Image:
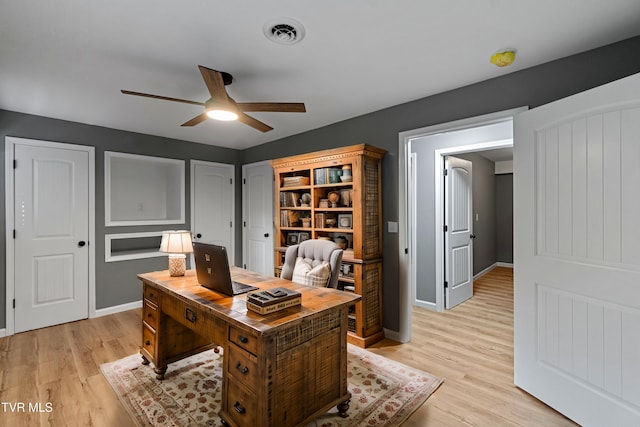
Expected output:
{"points": [[284, 31]]}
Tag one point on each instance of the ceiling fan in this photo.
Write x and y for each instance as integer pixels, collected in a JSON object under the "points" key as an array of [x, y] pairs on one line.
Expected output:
{"points": [[222, 107]]}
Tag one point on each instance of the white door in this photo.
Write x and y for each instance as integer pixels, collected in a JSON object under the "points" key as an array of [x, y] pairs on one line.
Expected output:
{"points": [[458, 231], [51, 223], [212, 204], [257, 213], [577, 254]]}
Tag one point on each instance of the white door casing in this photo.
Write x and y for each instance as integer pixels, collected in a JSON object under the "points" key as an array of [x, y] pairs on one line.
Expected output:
{"points": [[50, 262], [577, 254], [257, 214], [458, 231], [212, 204]]}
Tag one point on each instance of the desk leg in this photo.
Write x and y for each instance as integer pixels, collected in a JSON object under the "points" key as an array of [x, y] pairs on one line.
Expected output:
{"points": [[145, 361], [343, 408], [161, 371]]}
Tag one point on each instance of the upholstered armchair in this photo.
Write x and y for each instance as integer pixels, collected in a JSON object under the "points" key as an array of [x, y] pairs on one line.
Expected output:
{"points": [[315, 254]]}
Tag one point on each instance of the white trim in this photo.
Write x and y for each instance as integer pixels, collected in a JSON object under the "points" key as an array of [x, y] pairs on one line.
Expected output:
{"points": [[3, 332], [485, 271], [231, 252], [108, 253], [109, 222], [118, 308], [404, 239], [10, 143], [504, 264]]}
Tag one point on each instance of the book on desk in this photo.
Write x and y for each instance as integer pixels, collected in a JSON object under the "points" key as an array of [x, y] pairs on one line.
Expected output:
{"points": [[272, 300]]}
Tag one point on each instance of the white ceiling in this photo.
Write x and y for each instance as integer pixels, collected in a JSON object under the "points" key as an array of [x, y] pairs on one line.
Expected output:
{"points": [[68, 59]]}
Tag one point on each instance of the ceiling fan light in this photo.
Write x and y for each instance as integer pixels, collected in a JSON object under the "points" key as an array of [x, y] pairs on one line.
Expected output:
{"points": [[224, 115]]}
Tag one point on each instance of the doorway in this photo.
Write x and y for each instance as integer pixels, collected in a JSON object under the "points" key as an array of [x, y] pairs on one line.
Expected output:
{"points": [[421, 238], [50, 211]]}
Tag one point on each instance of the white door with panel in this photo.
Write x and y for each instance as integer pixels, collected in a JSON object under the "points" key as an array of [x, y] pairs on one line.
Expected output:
{"points": [[51, 223], [458, 231], [577, 254], [257, 206], [212, 204]]}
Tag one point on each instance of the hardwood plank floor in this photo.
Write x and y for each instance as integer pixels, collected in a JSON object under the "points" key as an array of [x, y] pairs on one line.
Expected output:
{"points": [[470, 347]]}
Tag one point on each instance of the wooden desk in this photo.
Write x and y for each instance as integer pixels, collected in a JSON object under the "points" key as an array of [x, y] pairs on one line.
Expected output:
{"points": [[283, 369]]}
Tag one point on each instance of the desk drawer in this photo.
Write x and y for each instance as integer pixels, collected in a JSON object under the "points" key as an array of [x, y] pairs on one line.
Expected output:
{"points": [[151, 294], [243, 366], [243, 339], [150, 314], [242, 406], [148, 339]]}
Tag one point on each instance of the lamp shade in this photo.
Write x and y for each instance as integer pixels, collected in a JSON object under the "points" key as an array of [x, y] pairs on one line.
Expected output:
{"points": [[176, 242]]}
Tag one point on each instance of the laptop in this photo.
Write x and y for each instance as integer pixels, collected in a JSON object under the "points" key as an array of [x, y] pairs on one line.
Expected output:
{"points": [[212, 270]]}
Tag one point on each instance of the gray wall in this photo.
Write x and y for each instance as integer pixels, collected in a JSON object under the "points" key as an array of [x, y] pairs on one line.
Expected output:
{"points": [[116, 282], [504, 218], [484, 205], [535, 86]]}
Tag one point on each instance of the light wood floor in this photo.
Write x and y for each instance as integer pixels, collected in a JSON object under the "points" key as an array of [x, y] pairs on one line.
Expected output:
{"points": [[470, 347]]}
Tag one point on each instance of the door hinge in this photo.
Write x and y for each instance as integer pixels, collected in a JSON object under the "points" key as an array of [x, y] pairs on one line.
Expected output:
{"points": [[230, 224], [15, 163], [14, 303], [244, 223], [406, 250], [244, 180], [445, 228], [244, 266], [14, 233], [231, 181], [446, 284], [444, 172]]}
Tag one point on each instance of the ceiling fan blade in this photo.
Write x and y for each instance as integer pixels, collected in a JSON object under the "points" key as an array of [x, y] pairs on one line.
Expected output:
{"points": [[254, 123], [165, 98], [197, 119], [215, 83], [278, 107]]}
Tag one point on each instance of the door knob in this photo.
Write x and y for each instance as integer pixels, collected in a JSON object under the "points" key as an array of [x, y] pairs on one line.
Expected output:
{"points": [[81, 243], [198, 235], [473, 236], [266, 234]]}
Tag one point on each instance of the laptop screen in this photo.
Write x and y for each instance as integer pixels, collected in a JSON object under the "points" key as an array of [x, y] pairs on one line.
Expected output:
{"points": [[212, 269]]}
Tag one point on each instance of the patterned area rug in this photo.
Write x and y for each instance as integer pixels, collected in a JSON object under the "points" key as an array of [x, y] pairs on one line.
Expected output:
{"points": [[383, 392]]}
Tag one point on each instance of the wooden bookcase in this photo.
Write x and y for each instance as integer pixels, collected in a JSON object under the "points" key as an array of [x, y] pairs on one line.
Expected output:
{"points": [[314, 200]]}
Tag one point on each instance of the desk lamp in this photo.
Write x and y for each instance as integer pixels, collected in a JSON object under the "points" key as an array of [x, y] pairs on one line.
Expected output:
{"points": [[176, 244]]}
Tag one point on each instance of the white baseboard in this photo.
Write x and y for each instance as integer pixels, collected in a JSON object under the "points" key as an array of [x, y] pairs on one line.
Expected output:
{"points": [[504, 264], [3, 332], [485, 271], [118, 308], [393, 335]]}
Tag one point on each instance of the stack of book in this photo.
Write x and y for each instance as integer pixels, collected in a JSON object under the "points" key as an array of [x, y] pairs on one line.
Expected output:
{"points": [[273, 300]]}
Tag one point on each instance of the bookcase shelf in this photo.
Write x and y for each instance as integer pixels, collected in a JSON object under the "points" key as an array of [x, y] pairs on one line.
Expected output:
{"points": [[341, 203]]}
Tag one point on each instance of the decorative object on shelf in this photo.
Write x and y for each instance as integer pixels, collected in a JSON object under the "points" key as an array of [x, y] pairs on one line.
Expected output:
{"points": [[345, 221], [293, 238], [176, 244], [324, 203], [303, 236], [306, 222], [305, 200], [334, 198], [330, 222], [346, 174], [334, 175], [345, 197], [294, 181]]}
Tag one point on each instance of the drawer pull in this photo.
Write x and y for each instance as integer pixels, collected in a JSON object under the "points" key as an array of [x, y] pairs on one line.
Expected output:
{"points": [[239, 408], [243, 339], [150, 315], [191, 315], [147, 342], [242, 369]]}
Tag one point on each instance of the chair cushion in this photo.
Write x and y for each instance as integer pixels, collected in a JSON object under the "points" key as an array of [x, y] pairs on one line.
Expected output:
{"points": [[305, 274]]}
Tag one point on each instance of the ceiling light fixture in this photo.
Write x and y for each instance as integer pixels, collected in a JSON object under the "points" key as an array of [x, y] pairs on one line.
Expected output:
{"points": [[283, 31], [223, 111], [504, 58]]}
